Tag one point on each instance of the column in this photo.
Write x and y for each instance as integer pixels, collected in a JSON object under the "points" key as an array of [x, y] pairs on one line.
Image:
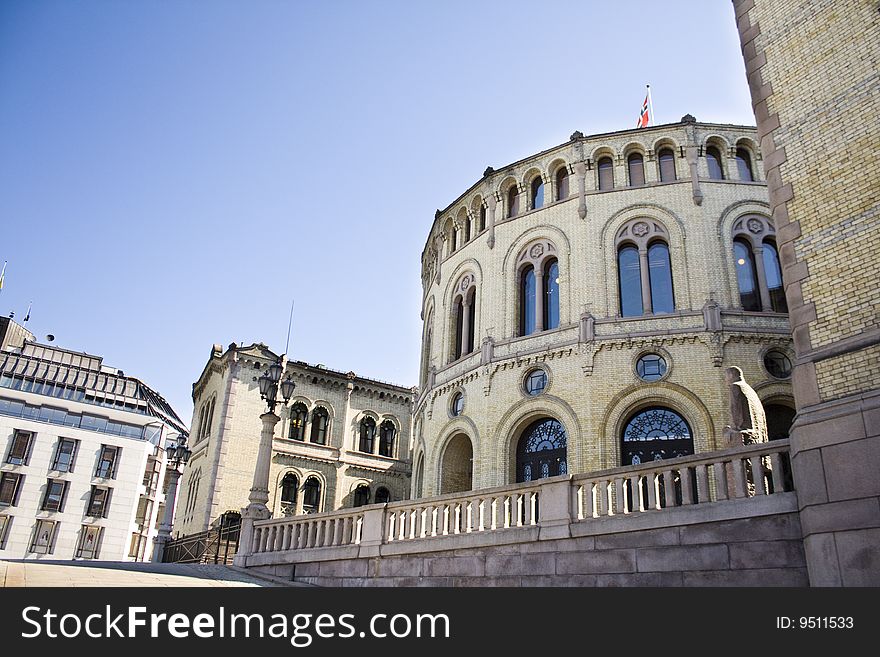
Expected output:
{"points": [[647, 305], [164, 534], [465, 325], [758, 254], [539, 300], [580, 169]]}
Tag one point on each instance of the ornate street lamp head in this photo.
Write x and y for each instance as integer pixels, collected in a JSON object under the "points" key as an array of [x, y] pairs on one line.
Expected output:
{"points": [[275, 371], [265, 383], [287, 388]]}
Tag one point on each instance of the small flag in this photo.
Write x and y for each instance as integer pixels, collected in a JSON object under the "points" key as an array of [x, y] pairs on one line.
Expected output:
{"points": [[643, 117], [2, 274], [27, 315]]}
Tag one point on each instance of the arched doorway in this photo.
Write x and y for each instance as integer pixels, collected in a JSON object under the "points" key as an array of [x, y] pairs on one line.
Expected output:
{"points": [[456, 466], [779, 420], [541, 451], [653, 434]]}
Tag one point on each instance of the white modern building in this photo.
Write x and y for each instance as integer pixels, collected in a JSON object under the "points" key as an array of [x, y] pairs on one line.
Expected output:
{"points": [[83, 466]]}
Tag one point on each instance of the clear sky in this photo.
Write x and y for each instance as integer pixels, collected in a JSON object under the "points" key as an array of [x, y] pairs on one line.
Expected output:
{"points": [[173, 173]]}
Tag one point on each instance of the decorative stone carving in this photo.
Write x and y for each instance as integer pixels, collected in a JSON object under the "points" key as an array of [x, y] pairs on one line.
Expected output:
{"points": [[640, 229], [488, 172], [577, 134], [755, 226], [465, 282], [537, 251], [688, 118]]}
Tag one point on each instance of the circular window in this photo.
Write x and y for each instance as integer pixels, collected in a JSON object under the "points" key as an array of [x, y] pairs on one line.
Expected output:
{"points": [[457, 405], [535, 382], [777, 364], [651, 367]]}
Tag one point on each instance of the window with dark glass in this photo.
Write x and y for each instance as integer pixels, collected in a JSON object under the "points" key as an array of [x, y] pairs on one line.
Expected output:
{"points": [[779, 420], [99, 502], [537, 196], [387, 433], [773, 272], [107, 461], [667, 165], [457, 405], [89, 542], [320, 419], [660, 274], [5, 524], [298, 415], [19, 450], [472, 319], [482, 218], [459, 327], [562, 190], [636, 164], [65, 455], [651, 367], [744, 164], [713, 160], [467, 230], [542, 451], [746, 276], [382, 496], [527, 301], [44, 537], [536, 381], [606, 173], [361, 495], [53, 499], [777, 364], [551, 295], [10, 484], [654, 434], [312, 495], [368, 435], [512, 201], [629, 274], [289, 489]]}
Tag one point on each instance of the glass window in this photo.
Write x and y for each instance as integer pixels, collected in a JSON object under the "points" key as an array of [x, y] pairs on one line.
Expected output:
{"points": [[459, 327], [536, 381], [386, 438], [713, 159], [636, 164], [512, 201], [107, 462], [289, 489], [660, 274], [298, 415], [56, 491], [99, 502], [368, 435], [382, 496], [5, 524], [44, 537], [19, 451], [667, 165], [744, 164], [651, 367], [562, 191], [542, 451], [467, 230], [65, 455], [551, 296], [482, 218], [362, 495], [655, 434], [89, 542], [606, 173], [10, 484], [629, 273], [527, 302], [777, 364], [457, 406], [472, 319], [312, 495], [537, 198], [320, 420], [773, 272], [746, 276]]}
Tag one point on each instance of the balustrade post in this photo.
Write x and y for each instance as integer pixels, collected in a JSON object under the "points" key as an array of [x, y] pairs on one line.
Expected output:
{"points": [[702, 483], [720, 470], [371, 532], [669, 488], [555, 518], [776, 472], [687, 485], [651, 485]]}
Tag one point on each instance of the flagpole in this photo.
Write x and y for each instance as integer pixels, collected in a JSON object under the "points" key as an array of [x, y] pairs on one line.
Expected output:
{"points": [[3, 275], [650, 105]]}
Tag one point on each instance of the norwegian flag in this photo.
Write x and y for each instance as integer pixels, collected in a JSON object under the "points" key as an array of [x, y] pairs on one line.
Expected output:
{"points": [[643, 117]]}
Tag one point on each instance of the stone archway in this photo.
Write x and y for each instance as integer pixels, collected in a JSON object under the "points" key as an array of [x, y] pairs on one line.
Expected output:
{"points": [[457, 465]]}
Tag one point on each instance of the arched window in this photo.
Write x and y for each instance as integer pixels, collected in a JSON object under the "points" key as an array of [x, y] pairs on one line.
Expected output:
{"points": [[298, 415], [541, 451], [773, 272], [606, 173], [527, 301], [467, 230], [362, 495], [744, 164], [713, 160], [667, 165], [419, 477], [382, 495], [289, 491], [482, 218], [660, 274], [368, 435], [746, 276], [512, 201], [465, 317], [779, 420], [654, 434], [320, 420], [459, 326], [636, 165], [562, 190], [387, 432], [630, 279], [551, 295], [312, 495], [536, 198]]}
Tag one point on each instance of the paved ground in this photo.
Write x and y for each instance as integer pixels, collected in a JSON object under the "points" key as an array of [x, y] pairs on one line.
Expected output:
{"points": [[120, 573]]}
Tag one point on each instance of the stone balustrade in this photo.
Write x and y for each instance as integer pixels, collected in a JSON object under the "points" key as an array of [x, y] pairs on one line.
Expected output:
{"points": [[308, 531]]}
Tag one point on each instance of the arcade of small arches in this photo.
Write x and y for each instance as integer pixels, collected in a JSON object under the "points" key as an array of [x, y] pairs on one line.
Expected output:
{"points": [[300, 493], [377, 436]]}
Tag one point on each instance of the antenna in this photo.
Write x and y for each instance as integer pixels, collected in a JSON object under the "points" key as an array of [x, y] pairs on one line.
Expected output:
{"points": [[289, 324]]}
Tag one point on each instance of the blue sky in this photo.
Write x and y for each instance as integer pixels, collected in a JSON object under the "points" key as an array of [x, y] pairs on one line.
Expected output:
{"points": [[173, 173]]}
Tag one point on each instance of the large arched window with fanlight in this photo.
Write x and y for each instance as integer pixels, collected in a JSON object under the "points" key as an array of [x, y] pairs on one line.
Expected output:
{"points": [[653, 434], [773, 273], [644, 269], [746, 276], [538, 302], [464, 317], [757, 266], [542, 451]]}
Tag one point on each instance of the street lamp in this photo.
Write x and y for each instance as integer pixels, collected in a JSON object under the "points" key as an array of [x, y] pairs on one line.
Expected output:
{"points": [[176, 454], [268, 384]]}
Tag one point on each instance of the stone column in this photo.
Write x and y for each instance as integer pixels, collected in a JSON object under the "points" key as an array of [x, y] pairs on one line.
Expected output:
{"points": [[691, 154], [580, 168], [493, 203], [164, 534], [539, 300], [465, 325], [758, 255], [647, 304]]}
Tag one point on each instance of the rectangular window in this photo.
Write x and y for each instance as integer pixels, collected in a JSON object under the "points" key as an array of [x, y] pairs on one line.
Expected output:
{"points": [[99, 502], [89, 542], [65, 455], [107, 462], [10, 485], [137, 545], [56, 492], [43, 541], [20, 450], [5, 524]]}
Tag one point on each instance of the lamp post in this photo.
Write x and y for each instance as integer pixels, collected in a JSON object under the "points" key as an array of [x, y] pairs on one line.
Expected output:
{"points": [[256, 509], [177, 454]]}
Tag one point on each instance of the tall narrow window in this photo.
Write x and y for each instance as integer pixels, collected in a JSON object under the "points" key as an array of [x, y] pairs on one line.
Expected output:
{"points": [[667, 165], [467, 230], [773, 272], [43, 541], [562, 190], [65, 455], [606, 173], [660, 273], [482, 217], [361, 495], [289, 491], [320, 419], [312, 495], [746, 276], [387, 433], [713, 160], [99, 502], [453, 240], [512, 201], [537, 196], [382, 495], [89, 542], [459, 326], [472, 319], [56, 491], [10, 484], [19, 451], [551, 295], [636, 164], [527, 301], [368, 435], [107, 461], [630, 278], [298, 415], [744, 165]]}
